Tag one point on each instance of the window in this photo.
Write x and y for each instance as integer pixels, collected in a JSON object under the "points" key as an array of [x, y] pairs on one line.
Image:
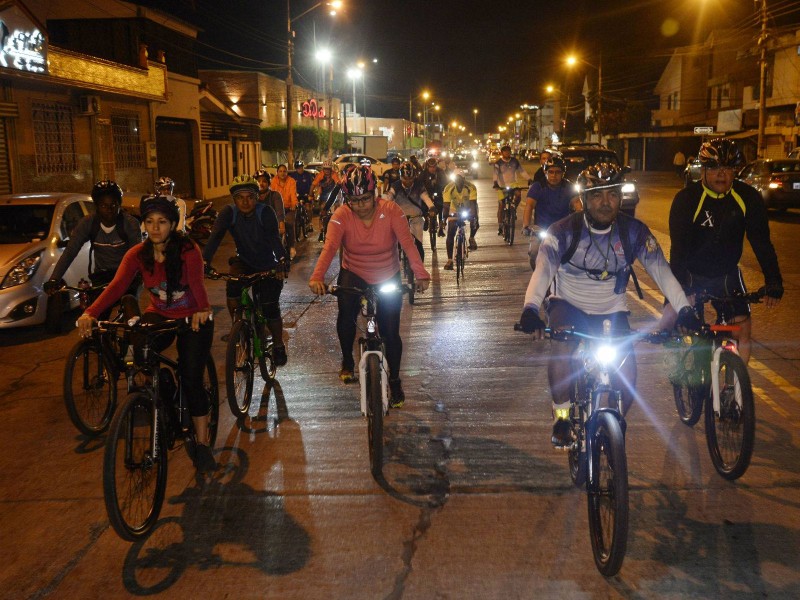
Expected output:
{"points": [[72, 214], [128, 149], [54, 138]]}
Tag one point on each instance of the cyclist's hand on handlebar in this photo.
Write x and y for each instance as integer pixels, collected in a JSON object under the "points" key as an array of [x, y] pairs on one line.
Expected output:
{"points": [[495, 186], [318, 287], [432, 212], [51, 286], [211, 272], [200, 318], [687, 320], [772, 292], [422, 284], [85, 324], [530, 322]]}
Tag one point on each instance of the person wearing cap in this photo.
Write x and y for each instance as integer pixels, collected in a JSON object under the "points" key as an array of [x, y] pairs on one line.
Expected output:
{"points": [[460, 195], [270, 197], [171, 267], [326, 189], [304, 183], [287, 188], [254, 229]]}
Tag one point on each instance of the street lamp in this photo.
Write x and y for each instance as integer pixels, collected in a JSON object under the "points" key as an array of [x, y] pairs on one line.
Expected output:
{"points": [[335, 5], [354, 73], [475, 120], [571, 62], [324, 56]]}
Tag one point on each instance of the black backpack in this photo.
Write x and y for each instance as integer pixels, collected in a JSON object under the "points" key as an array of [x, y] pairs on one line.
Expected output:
{"points": [[576, 220]]}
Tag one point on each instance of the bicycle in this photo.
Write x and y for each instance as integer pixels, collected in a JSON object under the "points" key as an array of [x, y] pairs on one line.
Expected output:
{"points": [[461, 250], [708, 371], [372, 368], [248, 342], [433, 230], [92, 369], [509, 212], [154, 417], [596, 456], [405, 265], [301, 219]]}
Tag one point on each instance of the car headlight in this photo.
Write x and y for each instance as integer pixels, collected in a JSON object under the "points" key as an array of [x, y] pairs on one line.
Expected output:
{"points": [[475, 165], [628, 188], [22, 271]]}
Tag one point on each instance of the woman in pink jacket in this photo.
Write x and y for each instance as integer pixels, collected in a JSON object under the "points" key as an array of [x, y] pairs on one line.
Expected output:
{"points": [[368, 229]]}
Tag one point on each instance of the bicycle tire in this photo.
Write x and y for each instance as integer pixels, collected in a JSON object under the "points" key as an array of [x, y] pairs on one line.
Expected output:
{"points": [[460, 260], [91, 399], [608, 495], [433, 231], [412, 289], [211, 386], [133, 481], [374, 415], [691, 385], [512, 218], [731, 434], [266, 362], [239, 368]]}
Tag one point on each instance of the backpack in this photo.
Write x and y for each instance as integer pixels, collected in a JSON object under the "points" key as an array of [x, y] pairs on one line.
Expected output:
{"points": [[94, 230], [576, 220]]}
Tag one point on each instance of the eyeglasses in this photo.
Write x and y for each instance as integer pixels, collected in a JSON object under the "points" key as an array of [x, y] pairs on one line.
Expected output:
{"points": [[362, 199], [723, 170]]}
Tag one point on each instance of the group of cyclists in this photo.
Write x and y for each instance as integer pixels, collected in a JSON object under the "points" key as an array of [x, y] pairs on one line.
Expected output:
{"points": [[580, 271]]}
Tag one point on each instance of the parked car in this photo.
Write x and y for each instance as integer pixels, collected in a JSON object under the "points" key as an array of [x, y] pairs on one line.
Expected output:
{"points": [[580, 156], [34, 229], [795, 153], [778, 181], [468, 164], [692, 172]]}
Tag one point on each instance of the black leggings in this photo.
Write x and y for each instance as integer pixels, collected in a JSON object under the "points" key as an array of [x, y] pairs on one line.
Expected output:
{"points": [[388, 318]]}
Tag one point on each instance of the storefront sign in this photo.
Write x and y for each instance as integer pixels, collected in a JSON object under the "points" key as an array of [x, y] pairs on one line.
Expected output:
{"points": [[22, 45], [313, 110]]}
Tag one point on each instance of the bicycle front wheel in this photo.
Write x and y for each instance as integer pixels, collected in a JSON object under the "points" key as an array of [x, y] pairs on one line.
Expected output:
{"points": [[134, 470], [512, 220], [412, 289], [730, 433], [90, 388], [266, 363], [608, 496], [690, 383], [239, 368], [433, 231], [374, 415], [460, 254], [211, 387]]}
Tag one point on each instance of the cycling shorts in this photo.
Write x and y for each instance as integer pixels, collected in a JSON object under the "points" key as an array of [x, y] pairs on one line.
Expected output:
{"points": [[563, 315], [722, 285]]}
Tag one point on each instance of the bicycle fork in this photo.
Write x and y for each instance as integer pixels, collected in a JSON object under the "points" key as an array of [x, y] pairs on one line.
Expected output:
{"points": [[362, 374], [726, 346]]}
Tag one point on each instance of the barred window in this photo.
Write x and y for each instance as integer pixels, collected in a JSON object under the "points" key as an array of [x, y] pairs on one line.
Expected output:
{"points": [[54, 138], [128, 149]]}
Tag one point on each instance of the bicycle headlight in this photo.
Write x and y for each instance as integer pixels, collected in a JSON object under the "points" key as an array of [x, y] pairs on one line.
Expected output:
{"points": [[605, 354], [542, 234], [628, 188], [388, 288], [452, 177], [464, 214], [22, 271]]}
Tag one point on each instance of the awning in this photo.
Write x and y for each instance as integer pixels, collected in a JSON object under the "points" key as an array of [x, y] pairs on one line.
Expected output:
{"points": [[743, 134]]}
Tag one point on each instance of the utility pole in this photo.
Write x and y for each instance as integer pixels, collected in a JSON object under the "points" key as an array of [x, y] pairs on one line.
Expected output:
{"points": [[599, 98], [330, 112], [289, 82], [762, 84]]}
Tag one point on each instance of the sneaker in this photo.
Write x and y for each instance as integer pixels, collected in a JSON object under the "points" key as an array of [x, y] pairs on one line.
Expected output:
{"points": [[500, 230], [441, 233], [292, 253], [204, 459], [473, 245], [279, 355], [347, 375], [398, 396], [562, 434], [448, 266]]}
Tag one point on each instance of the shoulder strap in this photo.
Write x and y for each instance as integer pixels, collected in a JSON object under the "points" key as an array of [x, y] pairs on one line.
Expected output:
{"points": [[260, 206], [627, 249], [576, 220], [93, 231]]}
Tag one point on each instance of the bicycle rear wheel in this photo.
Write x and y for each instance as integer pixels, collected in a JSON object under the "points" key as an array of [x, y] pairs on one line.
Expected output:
{"points": [[374, 415], [690, 383], [730, 434], [90, 388], [608, 496], [134, 471], [239, 368]]}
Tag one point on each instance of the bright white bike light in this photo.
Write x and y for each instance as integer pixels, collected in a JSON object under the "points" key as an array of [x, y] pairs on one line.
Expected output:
{"points": [[605, 354], [542, 234], [628, 188], [464, 214], [388, 288]]}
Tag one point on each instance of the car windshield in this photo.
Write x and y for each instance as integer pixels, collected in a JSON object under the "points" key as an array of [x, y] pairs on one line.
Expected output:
{"points": [[788, 166], [25, 223], [578, 161]]}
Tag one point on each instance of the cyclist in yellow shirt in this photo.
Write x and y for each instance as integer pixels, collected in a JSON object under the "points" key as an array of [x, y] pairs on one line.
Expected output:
{"points": [[460, 195]]}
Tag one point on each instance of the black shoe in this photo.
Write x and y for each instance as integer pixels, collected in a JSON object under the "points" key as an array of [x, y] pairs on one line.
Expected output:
{"points": [[562, 434], [204, 459], [473, 245], [500, 230], [279, 355], [398, 396], [441, 233]]}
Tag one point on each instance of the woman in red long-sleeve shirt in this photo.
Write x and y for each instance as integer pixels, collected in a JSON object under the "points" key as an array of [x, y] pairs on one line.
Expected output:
{"points": [[368, 230], [171, 266]]}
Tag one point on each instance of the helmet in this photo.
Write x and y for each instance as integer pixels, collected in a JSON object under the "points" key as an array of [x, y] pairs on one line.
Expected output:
{"points": [[327, 164], [357, 180], [163, 204], [407, 171], [164, 182], [555, 161], [396, 159], [720, 152], [602, 175], [298, 164], [431, 162], [365, 162], [106, 188], [262, 173], [243, 182]]}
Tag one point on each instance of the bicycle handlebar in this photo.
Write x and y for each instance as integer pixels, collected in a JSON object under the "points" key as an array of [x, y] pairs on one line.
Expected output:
{"points": [[335, 290], [751, 297], [563, 335], [247, 280]]}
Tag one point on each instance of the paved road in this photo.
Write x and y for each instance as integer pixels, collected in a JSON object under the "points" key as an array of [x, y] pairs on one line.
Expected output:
{"points": [[475, 503]]}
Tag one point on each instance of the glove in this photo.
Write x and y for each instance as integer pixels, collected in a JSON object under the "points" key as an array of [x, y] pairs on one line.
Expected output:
{"points": [[495, 186], [530, 321], [51, 286], [772, 290], [527, 231], [687, 319]]}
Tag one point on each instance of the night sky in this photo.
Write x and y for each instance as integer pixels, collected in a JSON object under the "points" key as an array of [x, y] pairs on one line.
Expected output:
{"points": [[469, 53]]}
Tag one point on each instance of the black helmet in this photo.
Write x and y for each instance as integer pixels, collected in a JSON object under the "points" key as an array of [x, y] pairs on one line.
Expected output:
{"points": [[720, 152], [262, 173], [407, 171], [164, 182], [602, 175], [396, 159], [357, 180], [298, 164], [163, 204], [555, 161], [243, 182], [107, 188], [431, 162]]}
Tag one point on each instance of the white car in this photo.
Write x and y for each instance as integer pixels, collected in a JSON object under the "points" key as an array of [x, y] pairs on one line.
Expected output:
{"points": [[34, 229], [378, 166]]}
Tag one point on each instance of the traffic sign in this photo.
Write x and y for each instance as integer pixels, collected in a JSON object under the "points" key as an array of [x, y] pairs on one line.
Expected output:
{"points": [[703, 130]]}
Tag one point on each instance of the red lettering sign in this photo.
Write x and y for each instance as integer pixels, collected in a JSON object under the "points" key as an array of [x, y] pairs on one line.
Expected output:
{"points": [[312, 109]]}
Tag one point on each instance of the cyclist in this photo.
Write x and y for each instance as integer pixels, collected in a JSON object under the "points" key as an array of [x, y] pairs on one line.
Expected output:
{"points": [[435, 179], [254, 229], [304, 182], [287, 188], [172, 269], [391, 175], [548, 202], [507, 172], [326, 188], [589, 257], [271, 198], [165, 186], [541, 173], [415, 164], [409, 193], [458, 195], [110, 232], [707, 224], [368, 229]]}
